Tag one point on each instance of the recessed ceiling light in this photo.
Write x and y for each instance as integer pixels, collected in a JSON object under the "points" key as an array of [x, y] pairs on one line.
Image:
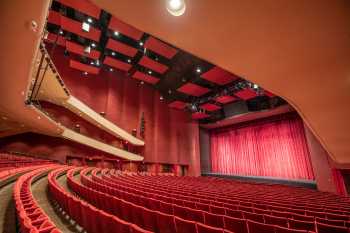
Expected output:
{"points": [[141, 43], [113, 53], [176, 7], [89, 20], [60, 32], [142, 82], [255, 86], [111, 69], [129, 60], [93, 45], [86, 27], [91, 63], [150, 71], [198, 70], [116, 33], [161, 97], [85, 73]]}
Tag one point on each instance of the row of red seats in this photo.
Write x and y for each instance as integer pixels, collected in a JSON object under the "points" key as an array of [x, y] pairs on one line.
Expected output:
{"points": [[31, 217], [248, 190], [234, 200], [215, 220], [147, 219], [224, 208], [87, 216], [253, 189]]}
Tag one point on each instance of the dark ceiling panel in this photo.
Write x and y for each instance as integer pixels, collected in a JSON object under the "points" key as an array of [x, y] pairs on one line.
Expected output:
{"points": [[153, 65], [193, 89], [121, 48], [160, 47], [219, 76], [83, 6], [246, 94], [83, 67], [126, 29], [177, 104], [79, 49], [145, 77], [117, 64]]}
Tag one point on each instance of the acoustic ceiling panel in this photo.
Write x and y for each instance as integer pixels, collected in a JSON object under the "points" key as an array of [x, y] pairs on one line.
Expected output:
{"points": [[121, 48], [160, 47], [246, 94], [75, 27], [199, 115], [219, 76], [83, 6], [126, 29], [210, 107], [145, 77], [79, 49], [54, 17], [83, 67], [193, 89], [53, 37], [177, 104], [117, 63], [153, 65], [225, 99]]}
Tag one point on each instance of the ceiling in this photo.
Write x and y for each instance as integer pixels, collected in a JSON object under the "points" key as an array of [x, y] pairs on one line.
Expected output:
{"points": [[299, 50], [184, 80]]}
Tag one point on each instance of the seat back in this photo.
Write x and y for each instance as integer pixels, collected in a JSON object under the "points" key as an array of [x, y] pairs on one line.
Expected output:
{"points": [[165, 223], [273, 220], [235, 224], [301, 225], [185, 226], [202, 228], [325, 228], [256, 227]]}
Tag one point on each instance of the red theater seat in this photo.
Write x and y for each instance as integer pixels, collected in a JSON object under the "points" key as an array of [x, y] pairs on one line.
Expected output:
{"points": [[288, 230], [201, 228], [165, 223], [269, 219], [149, 219], [235, 224], [214, 220], [301, 225], [324, 228], [185, 226], [255, 227]]}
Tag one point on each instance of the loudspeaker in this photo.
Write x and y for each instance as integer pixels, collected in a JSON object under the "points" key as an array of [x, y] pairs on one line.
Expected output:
{"points": [[258, 103], [235, 108]]}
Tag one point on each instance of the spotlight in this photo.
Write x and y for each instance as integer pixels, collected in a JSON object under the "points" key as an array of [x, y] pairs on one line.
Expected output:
{"points": [[113, 53], [116, 33], [85, 73], [89, 20], [87, 49], [129, 60], [86, 27], [60, 32], [111, 69], [141, 43], [97, 62], [198, 70], [169, 91], [150, 72], [93, 45], [142, 82], [91, 63], [161, 97], [176, 7], [255, 86]]}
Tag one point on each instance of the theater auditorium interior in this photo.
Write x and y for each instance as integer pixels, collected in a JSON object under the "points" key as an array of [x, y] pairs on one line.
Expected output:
{"points": [[175, 116]]}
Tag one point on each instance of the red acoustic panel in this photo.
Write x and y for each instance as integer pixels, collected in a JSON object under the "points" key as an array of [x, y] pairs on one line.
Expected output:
{"points": [[159, 47], [54, 17], [246, 94], [193, 89], [199, 115], [219, 76], [117, 64], [177, 104], [210, 107], [153, 65], [79, 49], [52, 38], [126, 29], [83, 6], [121, 48], [145, 77], [83, 67], [225, 99], [76, 28]]}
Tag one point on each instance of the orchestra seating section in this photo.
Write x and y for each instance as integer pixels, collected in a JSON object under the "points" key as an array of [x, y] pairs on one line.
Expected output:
{"points": [[108, 200]]}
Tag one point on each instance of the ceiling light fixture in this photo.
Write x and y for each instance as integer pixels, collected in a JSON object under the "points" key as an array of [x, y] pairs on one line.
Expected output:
{"points": [[150, 72], [198, 70], [97, 62], [60, 32], [113, 53], [89, 20], [129, 60], [111, 69], [91, 63], [116, 33], [161, 97], [85, 73], [141, 43], [142, 82], [86, 27], [176, 7], [93, 45]]}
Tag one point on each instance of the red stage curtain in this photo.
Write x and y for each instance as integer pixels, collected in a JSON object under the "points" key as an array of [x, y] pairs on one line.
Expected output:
{"points": [[339, 182], [274, 147]]}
